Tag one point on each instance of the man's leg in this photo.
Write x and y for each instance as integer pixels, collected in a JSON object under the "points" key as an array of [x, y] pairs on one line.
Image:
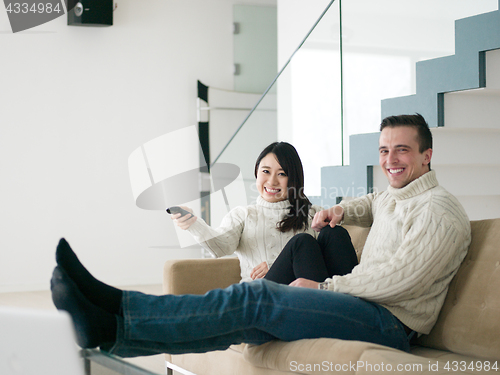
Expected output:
{"points": [[254, 312], [98, 293], [93, 324]]}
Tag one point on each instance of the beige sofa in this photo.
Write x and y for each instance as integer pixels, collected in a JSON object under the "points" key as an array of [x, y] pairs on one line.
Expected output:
{"points": [[465, 339]]}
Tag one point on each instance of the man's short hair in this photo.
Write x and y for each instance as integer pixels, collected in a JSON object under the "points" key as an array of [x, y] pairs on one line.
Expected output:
{"points": [[415, 121]]}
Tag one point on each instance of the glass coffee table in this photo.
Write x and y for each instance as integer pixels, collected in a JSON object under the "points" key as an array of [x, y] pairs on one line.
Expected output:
{"points": [[120, 366]]}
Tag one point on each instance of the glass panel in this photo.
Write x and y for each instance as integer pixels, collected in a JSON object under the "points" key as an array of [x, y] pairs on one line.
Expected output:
{"points": [[310, 110], [309, 91], [359, 53], [115, 364]]}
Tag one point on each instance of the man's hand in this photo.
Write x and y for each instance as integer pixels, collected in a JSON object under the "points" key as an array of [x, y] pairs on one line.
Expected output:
{"points": [[259, 271], [186, 221], [304, 283], [332, 216]]}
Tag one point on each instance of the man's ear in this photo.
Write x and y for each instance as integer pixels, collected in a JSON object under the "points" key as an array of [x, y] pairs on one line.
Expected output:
{"points": [[428, 156]]}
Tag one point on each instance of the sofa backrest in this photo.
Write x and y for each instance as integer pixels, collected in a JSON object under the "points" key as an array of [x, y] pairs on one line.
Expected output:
{"points": [[469, 322], [358, 237]]}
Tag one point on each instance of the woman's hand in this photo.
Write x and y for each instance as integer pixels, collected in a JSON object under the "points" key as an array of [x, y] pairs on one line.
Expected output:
{"points": [[186, 221], [304, 283], [259, 271]]}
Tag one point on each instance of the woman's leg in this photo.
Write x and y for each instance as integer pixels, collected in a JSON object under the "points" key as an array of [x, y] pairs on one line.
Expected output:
{"points": [[305, 257], [338, 252], [301, 257]]}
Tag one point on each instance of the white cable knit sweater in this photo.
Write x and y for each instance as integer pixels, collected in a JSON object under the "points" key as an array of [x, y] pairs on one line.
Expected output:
{"points": [[250, 232], [419, 236]]}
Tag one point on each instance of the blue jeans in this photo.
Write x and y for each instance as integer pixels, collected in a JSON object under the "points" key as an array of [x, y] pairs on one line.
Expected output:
{"points": [[253, 313]]}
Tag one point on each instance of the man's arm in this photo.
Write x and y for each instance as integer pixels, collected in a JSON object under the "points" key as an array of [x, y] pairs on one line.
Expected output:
{"points": [[432, 249], [332, 216], [355, 212], [359, 211]]}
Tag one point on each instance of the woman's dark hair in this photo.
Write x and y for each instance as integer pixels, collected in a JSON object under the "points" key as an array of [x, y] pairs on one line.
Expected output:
{"points": [[287, 156]]}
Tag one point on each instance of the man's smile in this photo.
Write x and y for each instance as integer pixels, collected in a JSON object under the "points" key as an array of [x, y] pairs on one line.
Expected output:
{"points": [[395, 170]]}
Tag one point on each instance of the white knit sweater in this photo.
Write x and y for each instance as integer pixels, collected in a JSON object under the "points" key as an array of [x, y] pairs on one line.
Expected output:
{"points": [[420, 234], [250, 232]]}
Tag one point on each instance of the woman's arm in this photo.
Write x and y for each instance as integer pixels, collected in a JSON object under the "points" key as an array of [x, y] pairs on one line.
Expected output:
{"points": [[223, 240]]}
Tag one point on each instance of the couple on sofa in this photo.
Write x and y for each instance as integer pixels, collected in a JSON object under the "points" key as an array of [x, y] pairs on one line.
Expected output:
{"points": [[419, 236]]}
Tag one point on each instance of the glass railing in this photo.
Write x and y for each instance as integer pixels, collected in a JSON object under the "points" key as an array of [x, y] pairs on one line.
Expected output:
{"points": [[356, 54], [315, 84]]}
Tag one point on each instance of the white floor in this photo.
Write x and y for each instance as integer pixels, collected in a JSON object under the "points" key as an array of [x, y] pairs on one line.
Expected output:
{"points": [[42, 300]]}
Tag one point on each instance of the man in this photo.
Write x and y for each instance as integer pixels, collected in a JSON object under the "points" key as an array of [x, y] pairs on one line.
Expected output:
{"points": [[419, 236]]}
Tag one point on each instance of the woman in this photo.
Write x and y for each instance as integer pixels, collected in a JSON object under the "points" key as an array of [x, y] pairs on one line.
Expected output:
{"points": [[257, 233]]}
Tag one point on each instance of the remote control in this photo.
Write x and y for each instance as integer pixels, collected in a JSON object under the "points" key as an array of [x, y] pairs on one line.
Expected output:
{"points": [[176, 209]]}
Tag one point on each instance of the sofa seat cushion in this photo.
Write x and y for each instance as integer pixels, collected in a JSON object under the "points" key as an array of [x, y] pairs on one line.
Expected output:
{"points": [[226, 362], [443, 356], [313, 356], [321, 356]]}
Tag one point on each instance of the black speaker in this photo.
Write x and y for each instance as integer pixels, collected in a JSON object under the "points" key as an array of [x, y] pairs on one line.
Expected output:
{"points": [[90, 12]]}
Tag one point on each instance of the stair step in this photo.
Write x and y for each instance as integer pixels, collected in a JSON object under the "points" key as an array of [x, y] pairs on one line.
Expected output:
{"points": [[470, 180], [466, 146], [459, 180], [493, 69], [466, 109], [481, 207], [478, 191], [466, 153]]}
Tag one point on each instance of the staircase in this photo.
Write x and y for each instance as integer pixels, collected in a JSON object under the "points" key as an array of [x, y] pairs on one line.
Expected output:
{"points": [[460, 96]]}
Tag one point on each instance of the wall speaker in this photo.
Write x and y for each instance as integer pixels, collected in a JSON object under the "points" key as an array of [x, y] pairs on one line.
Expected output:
{"points": [[90, 12]]}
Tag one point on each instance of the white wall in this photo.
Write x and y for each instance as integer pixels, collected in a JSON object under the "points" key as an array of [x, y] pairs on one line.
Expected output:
{"points": [[74, 103]]}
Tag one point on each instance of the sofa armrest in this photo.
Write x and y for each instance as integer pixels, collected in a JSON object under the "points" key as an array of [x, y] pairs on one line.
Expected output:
{"points": [[198, 276]]}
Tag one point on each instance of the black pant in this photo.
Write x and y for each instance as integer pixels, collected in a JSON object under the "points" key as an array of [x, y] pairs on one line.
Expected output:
{"points": [[305, 257]]}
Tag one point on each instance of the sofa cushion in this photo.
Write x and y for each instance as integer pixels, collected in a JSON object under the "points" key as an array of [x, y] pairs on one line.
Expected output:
{"points": [[297, 356], [326, 356], [322, 356], [469, 322]]}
